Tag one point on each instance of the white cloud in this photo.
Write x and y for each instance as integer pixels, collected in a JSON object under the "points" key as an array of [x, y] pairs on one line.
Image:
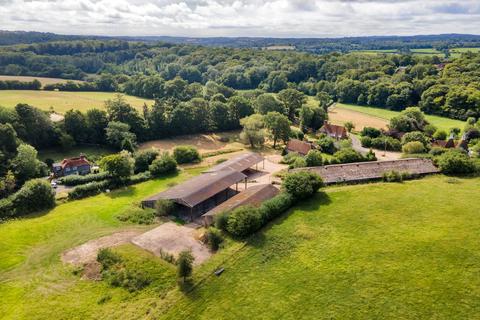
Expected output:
{"points": [[315, 18]]}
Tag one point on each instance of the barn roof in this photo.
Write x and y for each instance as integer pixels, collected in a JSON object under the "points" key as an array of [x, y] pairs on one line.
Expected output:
{"points": [[238, 163], [199, 188], [364, 171], [299, 146], [333, 130], [252, 196]]}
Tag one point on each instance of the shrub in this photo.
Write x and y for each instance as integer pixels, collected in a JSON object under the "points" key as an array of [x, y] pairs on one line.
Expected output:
{"points": [[140, 177], [132, 279], [314, 158], [275, 206], [415, 136], [436, 151], [370, 132], [185, 264], [290, 158], [164, 207], [186, 154], [297, 134], [303, 184], [221, 221], [366, 141], [89, 189], [144, 158], [75, 180], [35, 195], [298, 163], [107, 258], [119, 166], [392, 176], [348, 155], [440, 135], [455, 162], [165, 163], [6, 208], [326, 144], [213, 238], [413, 147], [244, 221], [382, 142], [137, 215]]}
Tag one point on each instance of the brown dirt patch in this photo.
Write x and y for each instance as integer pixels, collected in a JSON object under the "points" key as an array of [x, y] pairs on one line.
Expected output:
{"points": [[173, 239], [360, 120], [87, 253]]}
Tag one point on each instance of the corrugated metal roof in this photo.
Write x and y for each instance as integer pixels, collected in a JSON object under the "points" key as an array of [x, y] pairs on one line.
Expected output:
{"points": [[199, 188], [253, 196], [363, 171], [239, 163]]}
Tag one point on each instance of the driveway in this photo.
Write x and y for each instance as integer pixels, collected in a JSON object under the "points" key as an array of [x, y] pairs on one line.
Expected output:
{"points": [[380, 154]]}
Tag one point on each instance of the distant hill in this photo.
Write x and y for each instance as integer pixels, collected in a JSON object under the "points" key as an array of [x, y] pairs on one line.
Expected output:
{"points": [[314, 45]]}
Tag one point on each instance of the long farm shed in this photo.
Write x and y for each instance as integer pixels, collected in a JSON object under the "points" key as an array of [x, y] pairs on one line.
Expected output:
{"points": [[373, 170]]}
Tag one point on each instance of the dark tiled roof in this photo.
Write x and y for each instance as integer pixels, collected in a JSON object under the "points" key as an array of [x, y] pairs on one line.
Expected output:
{"points": [[450, 143], [299, 146], [364, 171], [238, 163], [199, 188]]}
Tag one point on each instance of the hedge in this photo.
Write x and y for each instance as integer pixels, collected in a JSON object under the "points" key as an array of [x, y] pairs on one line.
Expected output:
{"points": [[75, 180], [89, 189]]}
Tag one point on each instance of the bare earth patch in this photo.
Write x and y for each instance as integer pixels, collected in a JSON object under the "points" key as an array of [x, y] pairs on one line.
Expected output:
{"points": [[87, 252], [173, 239], [360, 120]]}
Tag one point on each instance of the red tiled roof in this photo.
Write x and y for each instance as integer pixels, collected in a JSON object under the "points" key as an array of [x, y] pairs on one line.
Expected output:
{"points": [[299, 146], [74, 162], [334, 131]]}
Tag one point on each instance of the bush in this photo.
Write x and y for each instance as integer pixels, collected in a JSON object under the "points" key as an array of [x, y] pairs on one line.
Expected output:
{"points": [[436, 151], [131, 279], [366, 141], [382, 142], [107, 258], [89, 189], [137, 215], [455, 162], [119, 166], [392, 176], [164, 207], [164, 164], [140, 177], [296, 134], [186, 154], [143, 159], [326, 144], [35, 195], [221, 221], [244, 221], [303, 184], [370, 132], [413, 147], [314, 158], [415, 136], [290, 158], [75, 180], [213, 238], [275, 206], [349, 155], [298, 163], [440, 135]]}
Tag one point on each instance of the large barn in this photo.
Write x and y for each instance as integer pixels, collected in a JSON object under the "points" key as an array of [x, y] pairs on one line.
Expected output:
{"points": [[365, 171], [240, 163], [252, 196], [201, 193]]}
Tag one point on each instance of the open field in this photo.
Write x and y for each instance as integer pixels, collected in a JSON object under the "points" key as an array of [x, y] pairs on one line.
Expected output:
{"points": [[364, 251], [385, 115], [89, 151], [62, 101], [43, 81]]}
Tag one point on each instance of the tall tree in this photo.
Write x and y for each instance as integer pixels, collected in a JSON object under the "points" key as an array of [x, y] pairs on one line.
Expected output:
{"points": [[292, 100], [278, 125], [253, 130]]}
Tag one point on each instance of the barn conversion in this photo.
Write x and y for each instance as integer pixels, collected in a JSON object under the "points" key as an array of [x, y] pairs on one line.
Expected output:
{"points": [[299, 146], [334, 131], [201, 193], [365, 171], [239, 163], [252, 196]]}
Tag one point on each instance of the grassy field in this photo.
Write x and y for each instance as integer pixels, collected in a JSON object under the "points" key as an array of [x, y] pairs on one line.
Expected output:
{"points": [[384, 251], [439, 122], [64, 101], [43, 81], [92, 152]]}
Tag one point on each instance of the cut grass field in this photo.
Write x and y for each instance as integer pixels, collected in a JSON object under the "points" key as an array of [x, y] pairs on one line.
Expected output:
{"points": [[89, 151], [62, 101], [385, 114], [43, 81], [375, 251]]}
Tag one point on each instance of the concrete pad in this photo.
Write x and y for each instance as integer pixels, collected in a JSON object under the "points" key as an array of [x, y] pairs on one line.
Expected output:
{"points": [[173, 239]]}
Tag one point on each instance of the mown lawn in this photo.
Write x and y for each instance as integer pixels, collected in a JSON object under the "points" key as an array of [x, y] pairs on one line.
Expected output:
{"points": [[378, 251], [61, 101], [440, 122], [34, 284]]}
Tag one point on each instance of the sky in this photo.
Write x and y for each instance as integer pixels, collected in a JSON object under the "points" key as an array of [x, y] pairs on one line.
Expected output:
{"points": [[253, 18]]}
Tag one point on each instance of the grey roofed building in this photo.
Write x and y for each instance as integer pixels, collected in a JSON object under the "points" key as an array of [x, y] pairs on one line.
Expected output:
{"points": [[252, 196], [197, 191], [239, 163], [365, 171]]}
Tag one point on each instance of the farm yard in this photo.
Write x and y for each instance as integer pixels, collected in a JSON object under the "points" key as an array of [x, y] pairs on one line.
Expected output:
{"points": [[61, 101], [340, 250]]}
